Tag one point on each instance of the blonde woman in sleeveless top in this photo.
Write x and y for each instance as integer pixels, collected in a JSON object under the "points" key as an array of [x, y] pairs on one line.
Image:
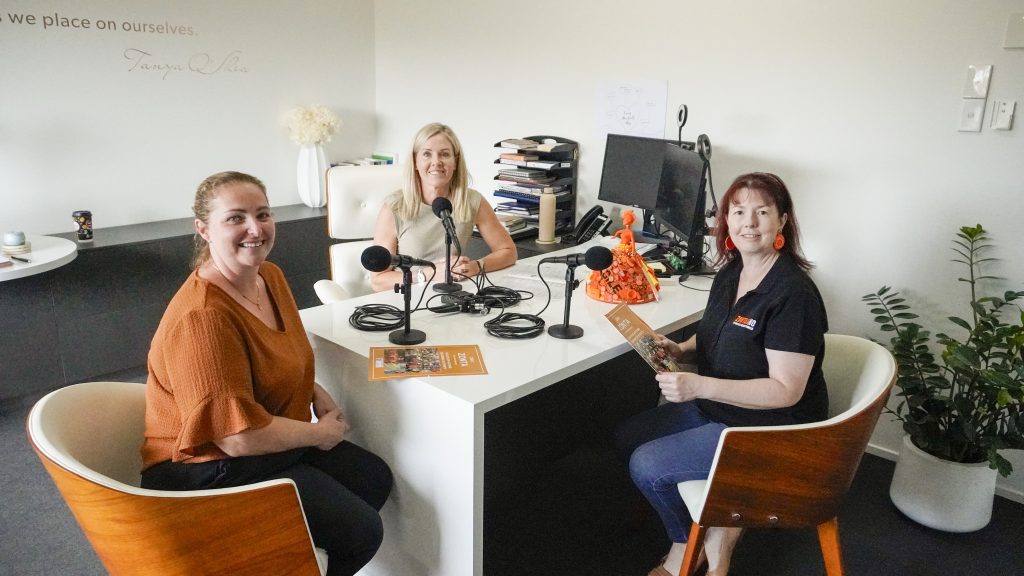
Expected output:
{"points": [[407, 225]]}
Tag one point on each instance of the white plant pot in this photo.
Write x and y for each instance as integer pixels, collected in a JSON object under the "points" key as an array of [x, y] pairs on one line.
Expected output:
{"points": [[940, 494], [312, 175]]}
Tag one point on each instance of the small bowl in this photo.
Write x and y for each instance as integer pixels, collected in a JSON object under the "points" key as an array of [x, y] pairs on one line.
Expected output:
{"points": [[14, 238]]}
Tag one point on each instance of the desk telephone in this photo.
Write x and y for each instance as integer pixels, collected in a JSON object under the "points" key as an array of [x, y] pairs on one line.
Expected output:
{"points": [[591, 224]]}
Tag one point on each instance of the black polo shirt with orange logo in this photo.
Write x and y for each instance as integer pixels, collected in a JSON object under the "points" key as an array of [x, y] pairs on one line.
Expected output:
{"points": [[786, 313]]}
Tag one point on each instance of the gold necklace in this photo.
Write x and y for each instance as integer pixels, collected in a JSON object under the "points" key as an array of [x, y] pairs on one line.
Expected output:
{"points": [[255, 302]]}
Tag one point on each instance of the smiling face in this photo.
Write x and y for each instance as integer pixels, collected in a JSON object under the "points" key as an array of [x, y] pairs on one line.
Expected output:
{"points": [[435, 163], [754, 222], [240, 228]]}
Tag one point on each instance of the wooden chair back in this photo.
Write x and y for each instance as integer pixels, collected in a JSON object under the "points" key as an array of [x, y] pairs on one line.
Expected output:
{"points": [[88, 437], [797, 476]]}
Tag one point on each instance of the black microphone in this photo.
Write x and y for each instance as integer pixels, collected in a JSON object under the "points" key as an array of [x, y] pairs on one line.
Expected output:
{"points": [[596, 258], [379, 259], [442, 208]]}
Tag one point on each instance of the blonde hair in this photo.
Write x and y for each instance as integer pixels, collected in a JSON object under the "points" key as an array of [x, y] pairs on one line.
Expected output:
{"points": [[408, 206], [205, 194]]}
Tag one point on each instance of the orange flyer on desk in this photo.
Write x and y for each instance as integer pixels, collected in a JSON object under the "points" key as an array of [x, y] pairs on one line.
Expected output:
{"points": [[640, 336], [412, 361]]}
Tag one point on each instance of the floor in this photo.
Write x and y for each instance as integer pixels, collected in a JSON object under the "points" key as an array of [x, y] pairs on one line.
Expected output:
{"points": [[562, 528]]}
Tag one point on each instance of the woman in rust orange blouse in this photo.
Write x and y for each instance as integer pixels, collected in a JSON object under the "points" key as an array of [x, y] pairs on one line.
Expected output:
{"points": [[231, 384]]}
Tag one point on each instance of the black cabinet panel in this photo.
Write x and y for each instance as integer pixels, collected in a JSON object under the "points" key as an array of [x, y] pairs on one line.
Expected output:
{"points": [[97, 315]]}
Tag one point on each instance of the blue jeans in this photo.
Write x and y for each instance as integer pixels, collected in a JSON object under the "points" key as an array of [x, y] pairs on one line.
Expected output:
{"points": [[672, 443]]}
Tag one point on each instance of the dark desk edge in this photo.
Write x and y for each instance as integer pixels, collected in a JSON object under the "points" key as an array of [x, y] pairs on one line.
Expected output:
{"points": [[145, 232]]}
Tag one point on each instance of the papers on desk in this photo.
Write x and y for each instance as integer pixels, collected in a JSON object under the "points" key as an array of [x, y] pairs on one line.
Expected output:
{"points": [[389, 363]]}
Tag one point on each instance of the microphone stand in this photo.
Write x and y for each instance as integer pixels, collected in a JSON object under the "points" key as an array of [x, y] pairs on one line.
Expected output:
{"points": [[447, 286], [565, 330], [406, 336]]}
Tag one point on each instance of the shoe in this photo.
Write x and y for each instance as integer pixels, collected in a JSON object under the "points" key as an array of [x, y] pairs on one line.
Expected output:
{"points": [[660, 570]]}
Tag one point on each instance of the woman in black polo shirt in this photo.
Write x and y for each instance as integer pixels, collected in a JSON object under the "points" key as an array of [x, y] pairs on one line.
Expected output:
{"points": [[758, 352]]}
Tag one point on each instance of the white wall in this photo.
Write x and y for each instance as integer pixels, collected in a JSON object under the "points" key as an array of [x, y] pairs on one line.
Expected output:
{"points": [[79, 129], [854, 104]]}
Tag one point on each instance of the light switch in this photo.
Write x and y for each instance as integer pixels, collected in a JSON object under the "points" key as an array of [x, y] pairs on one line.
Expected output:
{"points": [[976, 82], [971, 113], [1015, 31], [1002, 114]]}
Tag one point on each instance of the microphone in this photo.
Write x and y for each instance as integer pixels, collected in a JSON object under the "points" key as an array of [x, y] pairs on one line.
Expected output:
{"points": [[379, 259], [596, 258], [442, 208]]}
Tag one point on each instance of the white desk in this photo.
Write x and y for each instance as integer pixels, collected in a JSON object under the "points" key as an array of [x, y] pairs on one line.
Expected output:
{"points": [[48, 252], [431, 430]]}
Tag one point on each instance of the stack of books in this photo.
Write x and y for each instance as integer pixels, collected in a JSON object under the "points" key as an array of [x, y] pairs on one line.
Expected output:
{"points": [[525, 176], [511, 222], [530, 213], [519, 144]]}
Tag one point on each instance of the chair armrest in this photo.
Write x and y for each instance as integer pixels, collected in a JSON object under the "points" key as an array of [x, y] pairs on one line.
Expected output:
{"points": [[329, 291]]}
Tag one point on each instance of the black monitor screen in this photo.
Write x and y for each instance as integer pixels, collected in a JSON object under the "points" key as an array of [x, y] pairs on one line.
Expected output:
{"points": [[631, 174], [680, 206]]}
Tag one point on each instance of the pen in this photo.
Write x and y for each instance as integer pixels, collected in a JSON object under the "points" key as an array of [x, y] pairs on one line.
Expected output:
{"points": [[20, 259]]}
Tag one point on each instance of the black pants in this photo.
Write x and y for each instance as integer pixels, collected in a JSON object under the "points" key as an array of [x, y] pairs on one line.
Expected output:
{"points": [[341, 490]]}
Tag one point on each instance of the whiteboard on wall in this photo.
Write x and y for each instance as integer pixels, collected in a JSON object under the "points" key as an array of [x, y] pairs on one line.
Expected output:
{"points": [[634, 107], [123, 108]]}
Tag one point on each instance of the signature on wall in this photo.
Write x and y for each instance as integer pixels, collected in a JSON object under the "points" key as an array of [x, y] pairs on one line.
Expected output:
{"points": [[202, 63]]}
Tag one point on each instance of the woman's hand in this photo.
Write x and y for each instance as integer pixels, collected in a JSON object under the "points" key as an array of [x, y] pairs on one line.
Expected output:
{"points": [[465, 267], [685, 351], [680, 386], [331, 427], [670, 347]]}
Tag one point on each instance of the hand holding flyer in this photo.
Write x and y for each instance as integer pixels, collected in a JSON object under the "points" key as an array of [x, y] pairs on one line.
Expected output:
{"points": [[640, 336]]}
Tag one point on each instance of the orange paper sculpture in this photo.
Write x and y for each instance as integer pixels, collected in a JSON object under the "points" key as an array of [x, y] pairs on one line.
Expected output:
{"points": [[629, 279]]}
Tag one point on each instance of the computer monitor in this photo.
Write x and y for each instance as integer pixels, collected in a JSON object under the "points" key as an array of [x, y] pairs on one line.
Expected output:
{"points": [[631, 174], [681, 201]]}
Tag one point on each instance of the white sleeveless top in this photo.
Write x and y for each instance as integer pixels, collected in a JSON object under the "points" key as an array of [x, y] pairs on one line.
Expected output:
{"points": [[423, 237]]}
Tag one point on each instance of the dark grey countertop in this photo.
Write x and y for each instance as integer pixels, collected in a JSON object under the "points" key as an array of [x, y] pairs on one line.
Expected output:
{"points": [[162, 229]]}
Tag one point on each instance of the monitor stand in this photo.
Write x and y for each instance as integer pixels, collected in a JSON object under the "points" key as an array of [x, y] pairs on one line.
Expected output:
{"points": [[702, 270]]}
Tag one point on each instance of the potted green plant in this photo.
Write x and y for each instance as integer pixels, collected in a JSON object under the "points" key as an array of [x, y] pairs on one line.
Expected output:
{"points": [[960, 411]]}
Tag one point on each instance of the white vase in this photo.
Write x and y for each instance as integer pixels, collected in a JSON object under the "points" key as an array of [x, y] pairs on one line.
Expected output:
{"points": [[312, 175], [940, 494]]}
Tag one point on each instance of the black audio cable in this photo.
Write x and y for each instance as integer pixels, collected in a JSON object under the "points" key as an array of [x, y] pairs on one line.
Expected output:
{"points": [[380, 317]]}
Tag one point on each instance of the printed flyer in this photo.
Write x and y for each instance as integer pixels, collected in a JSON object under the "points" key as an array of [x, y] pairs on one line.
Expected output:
{"points": [[388, 363], [640, 336]]}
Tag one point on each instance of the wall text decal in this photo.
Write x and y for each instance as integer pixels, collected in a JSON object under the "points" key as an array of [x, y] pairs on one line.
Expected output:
{"points": [[140, 60]]}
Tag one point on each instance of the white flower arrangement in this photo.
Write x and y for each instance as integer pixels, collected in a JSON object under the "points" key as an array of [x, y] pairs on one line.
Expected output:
{"points": [[311, 124]]}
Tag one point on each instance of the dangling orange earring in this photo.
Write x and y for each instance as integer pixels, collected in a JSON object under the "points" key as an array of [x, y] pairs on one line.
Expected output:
{"points": [[780, 241], [729, 245]]}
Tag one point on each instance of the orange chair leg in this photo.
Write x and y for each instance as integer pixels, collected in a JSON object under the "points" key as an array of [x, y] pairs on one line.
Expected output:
{"points": [[828, 536], [694, 545]]}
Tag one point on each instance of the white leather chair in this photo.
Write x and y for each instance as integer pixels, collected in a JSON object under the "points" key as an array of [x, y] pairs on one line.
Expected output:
{"points": [[88, 437], [355, 195], [796, 476]]}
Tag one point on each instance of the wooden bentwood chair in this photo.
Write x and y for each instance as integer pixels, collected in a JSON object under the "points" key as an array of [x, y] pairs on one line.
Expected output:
{"points": [[88, 437], [796, 476]]}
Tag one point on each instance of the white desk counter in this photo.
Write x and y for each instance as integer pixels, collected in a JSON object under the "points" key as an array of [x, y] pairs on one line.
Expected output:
{"points": [[48, 252], [431, 430]]}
